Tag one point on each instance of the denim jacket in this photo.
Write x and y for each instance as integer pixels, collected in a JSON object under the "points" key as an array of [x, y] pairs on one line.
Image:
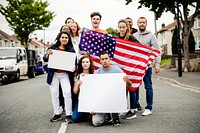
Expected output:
{"points": [[51, 70]]}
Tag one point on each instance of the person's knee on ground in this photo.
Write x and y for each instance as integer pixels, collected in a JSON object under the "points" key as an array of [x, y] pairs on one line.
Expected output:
{"points": [[97, 119], [76, 118]]}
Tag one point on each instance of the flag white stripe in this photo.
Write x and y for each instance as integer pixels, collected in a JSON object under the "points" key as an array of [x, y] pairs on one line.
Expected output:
{"points": [[134, 46], [135, 77], [130, 69], [130, 60], [132, 53]]}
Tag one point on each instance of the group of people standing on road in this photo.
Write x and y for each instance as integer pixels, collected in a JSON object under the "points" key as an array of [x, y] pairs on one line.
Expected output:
{"points": [[65, 85]]}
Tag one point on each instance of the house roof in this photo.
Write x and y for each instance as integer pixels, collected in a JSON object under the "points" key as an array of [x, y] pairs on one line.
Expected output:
{"points": [[172, 25], [168, 27], [37, 43], [4, 35]]}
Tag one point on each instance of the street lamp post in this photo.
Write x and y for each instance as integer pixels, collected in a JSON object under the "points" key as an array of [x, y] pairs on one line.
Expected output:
{"points": [[178, 42], [44, 40]]}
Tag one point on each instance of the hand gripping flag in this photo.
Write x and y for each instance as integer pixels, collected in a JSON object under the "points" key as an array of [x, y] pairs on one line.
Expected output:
{"points": [[133, 58]]}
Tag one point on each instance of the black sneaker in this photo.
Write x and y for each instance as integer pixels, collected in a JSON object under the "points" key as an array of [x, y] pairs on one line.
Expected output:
{"points": [[56, 118], [68, 119], [129, 115], [109, 120], [116, 122], [139, 107]]}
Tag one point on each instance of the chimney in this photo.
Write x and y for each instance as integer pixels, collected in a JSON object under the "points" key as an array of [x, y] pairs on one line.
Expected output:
{"points": [[163, 25]]}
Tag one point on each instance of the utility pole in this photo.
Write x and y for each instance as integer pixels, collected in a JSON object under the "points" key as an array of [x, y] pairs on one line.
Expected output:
{"points": [[178, 42], [155, 25], [44, 41]]}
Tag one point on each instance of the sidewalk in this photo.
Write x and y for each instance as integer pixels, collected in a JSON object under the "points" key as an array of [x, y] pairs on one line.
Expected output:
{"points": [[190, 80]]}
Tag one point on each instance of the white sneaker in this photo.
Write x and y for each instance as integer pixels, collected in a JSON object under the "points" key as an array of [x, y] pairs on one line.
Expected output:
{"points": [[146, 112]]}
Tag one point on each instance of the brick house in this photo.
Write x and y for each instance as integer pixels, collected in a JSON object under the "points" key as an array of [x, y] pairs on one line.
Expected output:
{"points": [[166, 32], [7, 40]]}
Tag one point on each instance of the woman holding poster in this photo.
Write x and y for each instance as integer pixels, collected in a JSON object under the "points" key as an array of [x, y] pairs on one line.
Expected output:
{"points": [[62, 77], [85, 66]]}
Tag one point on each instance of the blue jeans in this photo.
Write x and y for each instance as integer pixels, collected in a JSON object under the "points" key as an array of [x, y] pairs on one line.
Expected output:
{"points": [[149, 89], [137, 97], [133, 104], [76, 116], [79, 116]]}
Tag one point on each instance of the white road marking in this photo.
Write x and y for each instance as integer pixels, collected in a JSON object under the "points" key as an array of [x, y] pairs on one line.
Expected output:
{"points": [[63, 127]]}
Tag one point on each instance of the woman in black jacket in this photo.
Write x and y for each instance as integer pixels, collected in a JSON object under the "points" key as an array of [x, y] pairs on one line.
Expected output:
{"points": [[124, 33]]}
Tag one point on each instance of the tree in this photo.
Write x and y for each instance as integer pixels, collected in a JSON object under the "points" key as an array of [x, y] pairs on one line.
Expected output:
{"points": [[174, 42], [191, 43], [26, 16], [112, 31], [160, 6]]}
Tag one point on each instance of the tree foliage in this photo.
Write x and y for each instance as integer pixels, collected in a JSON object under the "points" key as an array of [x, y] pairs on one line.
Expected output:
{"points": [[160, 6], [191, 43], [26, 16], [112, 31], [174, 42]]}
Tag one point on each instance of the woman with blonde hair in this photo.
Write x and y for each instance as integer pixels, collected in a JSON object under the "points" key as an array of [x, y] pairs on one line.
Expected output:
{"points": [[75, 37]]}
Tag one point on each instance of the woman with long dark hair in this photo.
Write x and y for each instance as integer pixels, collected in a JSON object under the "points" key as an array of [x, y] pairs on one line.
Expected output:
{"points": [[62, 77], [85, 66]]}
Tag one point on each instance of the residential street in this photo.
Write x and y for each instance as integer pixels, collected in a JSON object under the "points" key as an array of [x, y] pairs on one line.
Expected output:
{"points": [[26, 107]]}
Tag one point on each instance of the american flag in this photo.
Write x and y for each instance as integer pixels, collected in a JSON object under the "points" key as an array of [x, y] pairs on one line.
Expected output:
{"points": [[133, 58]]}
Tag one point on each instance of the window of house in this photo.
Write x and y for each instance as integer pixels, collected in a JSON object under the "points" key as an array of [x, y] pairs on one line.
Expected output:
{"points": [[197, 23], [197, 45]]}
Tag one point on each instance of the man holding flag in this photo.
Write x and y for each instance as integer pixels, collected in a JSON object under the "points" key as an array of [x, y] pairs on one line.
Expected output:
{"points": [[147, 38], [95, 20]]}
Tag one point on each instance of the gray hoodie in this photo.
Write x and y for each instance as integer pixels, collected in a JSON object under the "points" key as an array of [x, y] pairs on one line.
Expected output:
{"points": [[147, 38]]}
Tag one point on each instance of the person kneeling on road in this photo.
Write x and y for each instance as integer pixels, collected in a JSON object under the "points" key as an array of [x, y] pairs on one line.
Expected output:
{"points": [[99, 119]]}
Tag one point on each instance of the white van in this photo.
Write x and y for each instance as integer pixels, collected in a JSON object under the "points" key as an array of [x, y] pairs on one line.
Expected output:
{"points": [[14, 63]]}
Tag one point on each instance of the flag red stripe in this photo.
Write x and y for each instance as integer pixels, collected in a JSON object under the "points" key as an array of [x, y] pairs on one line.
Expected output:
{"points": [[132, 57], [146, 53], [129, 64]]}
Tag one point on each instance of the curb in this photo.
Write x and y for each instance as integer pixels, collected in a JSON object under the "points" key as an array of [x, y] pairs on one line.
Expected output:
{"points": [[186, 87]]}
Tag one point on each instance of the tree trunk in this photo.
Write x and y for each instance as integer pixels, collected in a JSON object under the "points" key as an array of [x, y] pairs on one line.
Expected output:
{"points": [[186, 33], [186, 52]]}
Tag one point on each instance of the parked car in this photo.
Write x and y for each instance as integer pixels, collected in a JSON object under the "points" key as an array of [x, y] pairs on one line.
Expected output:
{"points": [[40, 67]]}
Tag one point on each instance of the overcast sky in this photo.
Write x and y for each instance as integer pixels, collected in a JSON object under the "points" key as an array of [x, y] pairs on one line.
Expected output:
{"points": [[111, 10]]}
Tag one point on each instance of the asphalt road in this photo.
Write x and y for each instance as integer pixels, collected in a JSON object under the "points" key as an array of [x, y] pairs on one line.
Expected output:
{"points": [[25, 107]]}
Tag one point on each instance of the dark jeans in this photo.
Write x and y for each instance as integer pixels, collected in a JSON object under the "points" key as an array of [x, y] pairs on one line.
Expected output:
{"points": [[149, 89], [133, 104], [137, 97], [79, 116]]}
